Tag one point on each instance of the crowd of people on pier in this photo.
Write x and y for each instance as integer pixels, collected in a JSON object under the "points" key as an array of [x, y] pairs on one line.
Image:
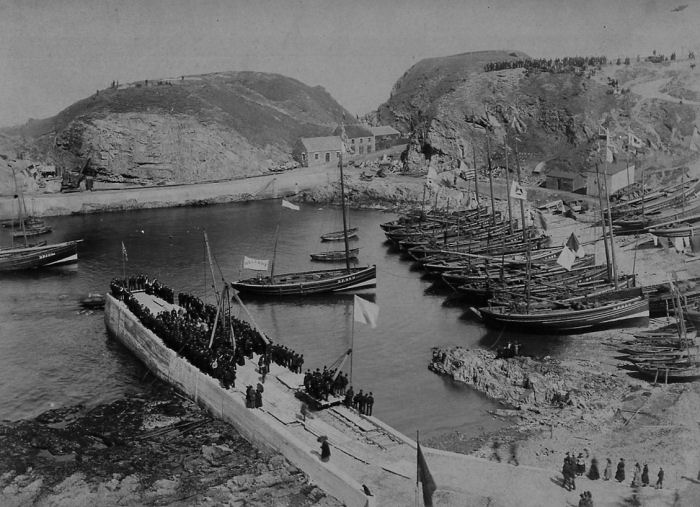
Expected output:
{"points": [[555, 65], [188, 331], [575, 466]]}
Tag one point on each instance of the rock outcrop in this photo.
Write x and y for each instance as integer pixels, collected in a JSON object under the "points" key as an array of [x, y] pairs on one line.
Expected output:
{"points": [[451, 105], [183, 130], [559, 389]]}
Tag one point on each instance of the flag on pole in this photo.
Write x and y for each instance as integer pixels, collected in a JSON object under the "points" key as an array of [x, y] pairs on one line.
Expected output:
{"points": [[426, 479], [287, 204], [365, 311], [255, 264], [344, 141], [517, 191], [566, 258], [541, 220], [634, 141], [575, 246], [126, 257]]}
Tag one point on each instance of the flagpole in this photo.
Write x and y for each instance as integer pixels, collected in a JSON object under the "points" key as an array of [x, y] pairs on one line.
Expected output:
{"points": [[123, 263], [352, 342], [417, 470]]}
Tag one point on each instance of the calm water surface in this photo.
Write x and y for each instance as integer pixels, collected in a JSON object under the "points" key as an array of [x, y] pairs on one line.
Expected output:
{"points": [[52, 354]]}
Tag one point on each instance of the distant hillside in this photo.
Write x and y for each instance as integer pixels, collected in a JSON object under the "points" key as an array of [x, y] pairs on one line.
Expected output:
{"points": [[181, 130], [450, 104]]}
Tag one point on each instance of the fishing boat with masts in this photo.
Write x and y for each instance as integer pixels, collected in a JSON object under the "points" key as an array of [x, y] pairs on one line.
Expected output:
{"points": [[347, 279], [29, 256]]}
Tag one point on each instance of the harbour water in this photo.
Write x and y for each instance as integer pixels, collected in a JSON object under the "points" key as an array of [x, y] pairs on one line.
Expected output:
{"points": [[53, 354]]}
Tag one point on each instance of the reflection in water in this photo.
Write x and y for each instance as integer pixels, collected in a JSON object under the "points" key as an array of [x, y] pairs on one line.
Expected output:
{"points": [[54, 354]]}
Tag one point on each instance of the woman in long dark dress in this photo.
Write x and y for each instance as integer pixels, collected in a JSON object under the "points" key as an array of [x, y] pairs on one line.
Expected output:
{"points": [[593, 473], [620, 474], [325, 451]]}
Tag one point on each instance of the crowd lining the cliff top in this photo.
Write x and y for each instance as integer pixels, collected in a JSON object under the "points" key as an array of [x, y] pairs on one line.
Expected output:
{"points": [[566, 64]]}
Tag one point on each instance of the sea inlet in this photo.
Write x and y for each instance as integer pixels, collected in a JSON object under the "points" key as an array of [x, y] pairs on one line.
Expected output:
{"points": [[54, 354]]}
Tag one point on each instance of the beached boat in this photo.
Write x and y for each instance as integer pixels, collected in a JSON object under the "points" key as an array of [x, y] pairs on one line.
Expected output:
{"points": [[348, 279], [334, 255], [685, 228], [580, 314]]}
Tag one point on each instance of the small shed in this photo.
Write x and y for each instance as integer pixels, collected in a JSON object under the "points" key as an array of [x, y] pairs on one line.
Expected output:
{"points": [[617, 176], [567, 180], [316, 151], [385, 136]]}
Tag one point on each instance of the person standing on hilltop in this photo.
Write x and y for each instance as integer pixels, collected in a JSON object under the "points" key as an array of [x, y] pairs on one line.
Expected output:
{"points": [[660, 479], [620, 473], [607, 475]]}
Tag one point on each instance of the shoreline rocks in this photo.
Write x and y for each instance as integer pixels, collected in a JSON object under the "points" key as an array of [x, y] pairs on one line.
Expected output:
{"points": [[152, 448]]}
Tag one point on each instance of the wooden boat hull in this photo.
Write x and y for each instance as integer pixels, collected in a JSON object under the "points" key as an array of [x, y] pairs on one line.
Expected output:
{"points": [[569, 320], [694, 317], [32, 231], [40, 256], [334, 255], [310, 282], [338, 235], [663, 373]]}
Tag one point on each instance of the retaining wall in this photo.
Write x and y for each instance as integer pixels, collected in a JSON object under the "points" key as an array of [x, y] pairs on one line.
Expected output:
{"points": [[227, 405]]}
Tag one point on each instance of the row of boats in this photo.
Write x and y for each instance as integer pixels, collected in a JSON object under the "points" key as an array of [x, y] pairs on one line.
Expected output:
{"points": [[513, 277]]}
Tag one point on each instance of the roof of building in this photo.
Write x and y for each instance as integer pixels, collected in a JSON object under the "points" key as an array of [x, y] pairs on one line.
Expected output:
{"points": [[354, 131], [559, 172], [328, 143], [384, 130]]}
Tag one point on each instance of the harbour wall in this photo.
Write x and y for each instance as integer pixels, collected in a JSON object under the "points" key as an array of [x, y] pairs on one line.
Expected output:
{"points": [[259, 187], [207, 392]]}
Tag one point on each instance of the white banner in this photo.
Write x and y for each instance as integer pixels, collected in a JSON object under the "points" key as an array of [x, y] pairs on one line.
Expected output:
{"points": [[566, 258], [365, 311], [287, 204], [517, 191], [255, 264]]}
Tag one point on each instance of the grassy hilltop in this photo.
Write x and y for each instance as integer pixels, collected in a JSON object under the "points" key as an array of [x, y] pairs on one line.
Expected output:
{"points": [[187, 129]]}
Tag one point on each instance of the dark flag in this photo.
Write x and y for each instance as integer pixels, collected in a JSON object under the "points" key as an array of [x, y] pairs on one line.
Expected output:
{"points": [[573, 243], [426, 480]]}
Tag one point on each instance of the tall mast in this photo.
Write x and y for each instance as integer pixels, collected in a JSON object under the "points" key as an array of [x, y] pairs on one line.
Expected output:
{"points": [[211, 267], [610, 227], [476, 176], [493, 204], [602, 222], [510, 209], [522, 204], [20, 213], [274, 253], [342, 200]]}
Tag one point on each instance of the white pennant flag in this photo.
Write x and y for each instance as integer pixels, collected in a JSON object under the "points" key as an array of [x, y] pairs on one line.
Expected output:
{"points": [[255, 264], [517, 191], [566, 258], [365, 311], [287, 204]]}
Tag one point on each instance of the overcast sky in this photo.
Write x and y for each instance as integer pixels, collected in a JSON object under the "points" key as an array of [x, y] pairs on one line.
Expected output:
{"points": [[54, 52]]}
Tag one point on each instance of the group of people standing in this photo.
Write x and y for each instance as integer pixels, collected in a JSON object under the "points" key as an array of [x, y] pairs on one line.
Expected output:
{"points": [[361, 402], [576, 466], [322, 384], [187, 331]]}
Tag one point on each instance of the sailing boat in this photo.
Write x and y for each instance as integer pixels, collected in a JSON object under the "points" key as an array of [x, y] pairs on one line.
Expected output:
{"points": [[27, 257], [584, 313], [348, 279]]}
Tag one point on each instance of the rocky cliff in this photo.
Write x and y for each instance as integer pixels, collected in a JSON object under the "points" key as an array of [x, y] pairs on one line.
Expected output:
{"points": [[452, 107], [187, 129]]}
